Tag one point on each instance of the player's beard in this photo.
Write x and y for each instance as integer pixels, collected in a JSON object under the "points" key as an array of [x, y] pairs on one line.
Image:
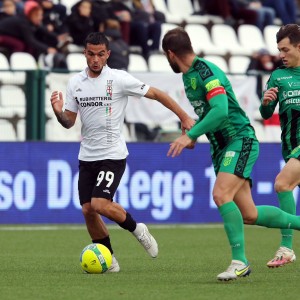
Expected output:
{"points": [[174, 66], [95, 72]]}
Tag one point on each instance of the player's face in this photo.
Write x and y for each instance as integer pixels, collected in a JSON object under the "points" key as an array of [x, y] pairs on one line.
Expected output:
{"points": [[289, 53], [96, 58], [172, 63]]}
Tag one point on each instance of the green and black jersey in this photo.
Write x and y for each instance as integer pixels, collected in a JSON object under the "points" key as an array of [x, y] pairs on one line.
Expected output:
{"points": [[287, 80], [210, 93]]}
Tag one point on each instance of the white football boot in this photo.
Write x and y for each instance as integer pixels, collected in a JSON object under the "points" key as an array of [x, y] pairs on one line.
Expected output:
{"points": [[143, 235], [114, 268], [235, 270]]}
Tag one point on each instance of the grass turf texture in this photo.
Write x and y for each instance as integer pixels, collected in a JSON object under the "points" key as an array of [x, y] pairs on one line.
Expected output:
{"points": [[40, 263]]}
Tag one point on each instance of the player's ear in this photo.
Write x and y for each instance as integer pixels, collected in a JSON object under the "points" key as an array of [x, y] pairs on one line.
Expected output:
{"points": [[108, 53], [170, 54]]}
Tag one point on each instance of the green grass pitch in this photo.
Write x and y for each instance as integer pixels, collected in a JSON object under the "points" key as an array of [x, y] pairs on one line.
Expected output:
{"points": [[42, 263]]}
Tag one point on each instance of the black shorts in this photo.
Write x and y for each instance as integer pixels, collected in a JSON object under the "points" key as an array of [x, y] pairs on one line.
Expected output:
{"points": [[99, 179]]}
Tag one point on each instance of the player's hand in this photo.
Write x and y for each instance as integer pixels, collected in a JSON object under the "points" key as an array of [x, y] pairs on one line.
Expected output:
{"points": [[57, 101], [178, 145], [187, 124], [269, 96], [191, 145]]}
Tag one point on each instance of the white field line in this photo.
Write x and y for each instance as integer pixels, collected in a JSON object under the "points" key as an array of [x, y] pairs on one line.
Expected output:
{"points": [[111, 227]]}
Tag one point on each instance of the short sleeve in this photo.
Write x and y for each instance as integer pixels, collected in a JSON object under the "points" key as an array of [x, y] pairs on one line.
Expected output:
{"points": [[70, 103], [133, 86]]}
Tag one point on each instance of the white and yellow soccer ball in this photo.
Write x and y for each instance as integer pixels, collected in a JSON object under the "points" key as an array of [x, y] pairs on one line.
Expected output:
{"points": [[95, 259]]}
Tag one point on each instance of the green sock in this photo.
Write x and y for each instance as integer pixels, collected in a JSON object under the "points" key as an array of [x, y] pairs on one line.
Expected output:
{"points": [[274, 217], [287, 204], [234, 228]]}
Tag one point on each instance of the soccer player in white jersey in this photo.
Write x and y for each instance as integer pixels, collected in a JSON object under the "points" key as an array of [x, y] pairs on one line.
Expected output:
{"points": [[100, 95]]}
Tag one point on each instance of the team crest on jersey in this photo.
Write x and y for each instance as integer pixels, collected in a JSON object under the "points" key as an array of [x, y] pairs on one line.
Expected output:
{"points": [[228, 158], [193, 83], [109, 89]]}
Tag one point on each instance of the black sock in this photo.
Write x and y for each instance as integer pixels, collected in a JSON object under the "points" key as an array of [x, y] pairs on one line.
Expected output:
{"points": [[129, 224], [106, 242]]}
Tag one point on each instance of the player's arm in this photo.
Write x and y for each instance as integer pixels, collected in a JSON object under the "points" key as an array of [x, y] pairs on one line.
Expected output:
{"points": [[156, 94], [215, 117], [218, 102], [268, 102], [66, 118]]}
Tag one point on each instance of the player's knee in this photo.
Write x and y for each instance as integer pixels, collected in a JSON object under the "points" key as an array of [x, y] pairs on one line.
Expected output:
{"points": [[250, 216], [101, 206], [281, 185], [87, 210], [249, 219], [219, 198]]}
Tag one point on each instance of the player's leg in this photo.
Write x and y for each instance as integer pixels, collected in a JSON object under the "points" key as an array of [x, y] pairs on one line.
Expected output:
{"points": [[285, 182], [225, 188], [271, 216], [98, 232], [235, 166], [94, 223], [109, 174]]}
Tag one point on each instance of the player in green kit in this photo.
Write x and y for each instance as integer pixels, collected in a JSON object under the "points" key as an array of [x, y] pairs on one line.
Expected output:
{"points": [[234, 148], [283, 87]]}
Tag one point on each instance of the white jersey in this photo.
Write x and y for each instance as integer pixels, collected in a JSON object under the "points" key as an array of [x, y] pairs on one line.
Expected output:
{"points": [[101, 103]]}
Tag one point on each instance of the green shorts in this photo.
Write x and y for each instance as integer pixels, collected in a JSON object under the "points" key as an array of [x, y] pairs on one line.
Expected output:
{"points": [[238, 157], [294, 154]]}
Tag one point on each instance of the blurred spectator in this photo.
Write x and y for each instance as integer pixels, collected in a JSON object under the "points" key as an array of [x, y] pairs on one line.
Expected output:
{"points": [[148, 6], [104, 15], [231, 11], [80, 22], [119, 55], [54, 16], [262, 62], [123, 13], [264, 15], [20, 6], [240, 11], [145, 29], [285, 10], [8, 9], [27, 34]]}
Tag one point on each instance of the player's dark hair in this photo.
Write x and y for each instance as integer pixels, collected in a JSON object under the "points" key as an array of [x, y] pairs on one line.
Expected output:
{"points": [[178, 41], [291, 31], [97, 38]]}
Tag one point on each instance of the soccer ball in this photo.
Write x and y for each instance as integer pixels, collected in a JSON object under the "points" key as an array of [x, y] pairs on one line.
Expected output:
{"points": [[95, 259]]}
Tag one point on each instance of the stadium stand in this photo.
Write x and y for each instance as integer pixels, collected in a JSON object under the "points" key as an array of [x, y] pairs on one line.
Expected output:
{"points": [[238, 64], [76, 62], [219, 61], [185, 10], [269, 37], [4, 63], [158, 63], [204, 44], [19, 63], [228, 47], [224, 36], [137, 63], [7, 131], [251, 37]]}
